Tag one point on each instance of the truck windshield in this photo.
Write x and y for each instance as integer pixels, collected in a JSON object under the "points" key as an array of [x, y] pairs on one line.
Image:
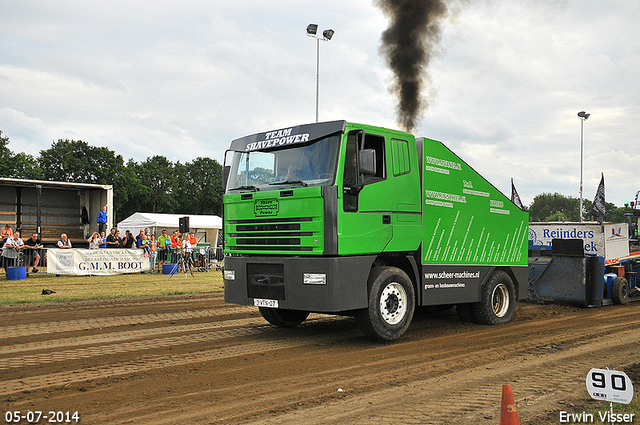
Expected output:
{"points": [[312, 164]]}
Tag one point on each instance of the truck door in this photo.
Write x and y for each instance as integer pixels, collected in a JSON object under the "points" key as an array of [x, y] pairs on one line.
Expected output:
{"points": [[364, 225]]}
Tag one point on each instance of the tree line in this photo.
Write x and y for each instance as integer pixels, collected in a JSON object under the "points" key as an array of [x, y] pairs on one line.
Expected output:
{"points": [[155, 185], [558, 207]]}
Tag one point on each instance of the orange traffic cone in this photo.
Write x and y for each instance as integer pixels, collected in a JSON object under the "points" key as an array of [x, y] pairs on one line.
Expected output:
{"points": [[508, 411]]}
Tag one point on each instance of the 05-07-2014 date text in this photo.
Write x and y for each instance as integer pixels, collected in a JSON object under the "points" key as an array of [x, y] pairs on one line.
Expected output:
{"points": [[36, 416]]}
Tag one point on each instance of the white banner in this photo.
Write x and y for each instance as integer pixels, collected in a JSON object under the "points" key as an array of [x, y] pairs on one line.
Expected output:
{"points": [[96, 261], [609, 241]]}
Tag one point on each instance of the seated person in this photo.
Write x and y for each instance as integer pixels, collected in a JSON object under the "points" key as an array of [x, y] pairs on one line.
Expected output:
{"points": [[103, 240], [64, 242], [11, 249], [143, 243], [129, 240], [94, 241], [5, 232], [113, 239]]}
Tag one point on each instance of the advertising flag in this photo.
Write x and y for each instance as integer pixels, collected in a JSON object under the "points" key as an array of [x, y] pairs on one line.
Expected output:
{"points": [[515, 198], [598, 208]]}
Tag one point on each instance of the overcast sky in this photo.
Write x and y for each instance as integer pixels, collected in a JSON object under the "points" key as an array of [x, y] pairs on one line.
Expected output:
{"points": [[182, 79]]}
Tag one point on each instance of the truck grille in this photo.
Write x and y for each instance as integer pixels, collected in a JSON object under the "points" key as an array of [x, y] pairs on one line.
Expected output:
{"points": [[273, 234]]}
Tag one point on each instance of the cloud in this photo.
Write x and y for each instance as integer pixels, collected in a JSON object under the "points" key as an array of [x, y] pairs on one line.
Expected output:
{"points": [[26, 134]]}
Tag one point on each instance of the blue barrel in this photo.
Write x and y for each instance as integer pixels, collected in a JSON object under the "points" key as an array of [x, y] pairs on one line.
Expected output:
{"points": [[608, 282], [16, 273], [169, 268]]}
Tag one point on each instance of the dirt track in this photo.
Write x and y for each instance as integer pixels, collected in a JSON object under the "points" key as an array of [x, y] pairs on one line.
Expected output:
{"points": [[198, 360]]}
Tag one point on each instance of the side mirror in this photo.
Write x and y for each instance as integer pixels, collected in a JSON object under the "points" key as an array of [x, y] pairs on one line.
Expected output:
{"points": [[368, 162], [225, 176]]}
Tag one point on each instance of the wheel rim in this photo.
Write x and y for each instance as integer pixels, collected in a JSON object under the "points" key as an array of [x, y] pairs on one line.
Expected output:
{"points": [[500, 300], [393, 303]]}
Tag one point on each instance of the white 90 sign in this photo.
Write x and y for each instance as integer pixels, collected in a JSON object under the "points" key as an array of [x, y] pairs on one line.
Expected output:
{"points": [[609, 385]]}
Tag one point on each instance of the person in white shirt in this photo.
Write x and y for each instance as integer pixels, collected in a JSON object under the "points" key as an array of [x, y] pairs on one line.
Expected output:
{"points": [[64, 242], [187, 251], [10, 250]]}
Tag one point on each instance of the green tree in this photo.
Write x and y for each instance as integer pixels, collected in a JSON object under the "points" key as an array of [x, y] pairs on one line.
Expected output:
{"points": [[129, 192], [554, 207], [158, 175], [19, 166], [557, 207], [5, 156], [77, 161], [25, 166], [202, 187]]}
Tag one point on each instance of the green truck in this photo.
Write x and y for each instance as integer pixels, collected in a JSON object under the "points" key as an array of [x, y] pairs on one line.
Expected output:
{"points": [[350, 219]]}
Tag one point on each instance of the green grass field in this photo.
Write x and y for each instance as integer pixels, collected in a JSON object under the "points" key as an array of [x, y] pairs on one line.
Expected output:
{"points": [[71, 288]]}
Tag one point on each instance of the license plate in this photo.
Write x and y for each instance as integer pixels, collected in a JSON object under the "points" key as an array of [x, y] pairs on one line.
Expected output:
{"points": [[259, 302]]}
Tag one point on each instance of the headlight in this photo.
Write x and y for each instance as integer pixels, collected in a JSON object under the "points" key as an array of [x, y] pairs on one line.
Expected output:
{"points": [[314, 279], [229, 274]]}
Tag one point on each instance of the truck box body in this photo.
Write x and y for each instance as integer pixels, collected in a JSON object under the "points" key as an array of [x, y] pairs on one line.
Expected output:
{"points": [[469, 227], [310, 211]]}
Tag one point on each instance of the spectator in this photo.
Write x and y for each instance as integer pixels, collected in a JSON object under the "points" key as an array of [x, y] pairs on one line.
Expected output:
{"points": [[174, 247], [64, 242], [34, 246], [102, 220], [113, 240], [153, 246], [187, 251], [103, 240], [194, 242], [5, 232], [162, 247], [143, 243], [129, 240], [94, 241], [12, 246]]}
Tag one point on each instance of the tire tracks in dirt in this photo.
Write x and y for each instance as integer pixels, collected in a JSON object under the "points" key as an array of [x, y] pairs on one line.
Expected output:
{"points": [[442, 371]]}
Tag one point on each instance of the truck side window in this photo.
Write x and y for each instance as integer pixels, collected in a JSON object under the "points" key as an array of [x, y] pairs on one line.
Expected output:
{"points": [[376, 143], [351, 162], [400, 154], [351, 177]]}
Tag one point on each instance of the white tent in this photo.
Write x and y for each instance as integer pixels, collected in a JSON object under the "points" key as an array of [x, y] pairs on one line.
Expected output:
{"points": [[204, 226]]}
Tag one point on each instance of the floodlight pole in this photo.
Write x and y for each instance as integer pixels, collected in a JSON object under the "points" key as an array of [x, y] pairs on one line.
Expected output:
{"points": [[312, 30], [317, 74], [583, 116]]}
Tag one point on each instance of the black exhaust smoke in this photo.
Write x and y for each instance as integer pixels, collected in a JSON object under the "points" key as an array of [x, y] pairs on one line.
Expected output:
{"points": [[407, 45]]}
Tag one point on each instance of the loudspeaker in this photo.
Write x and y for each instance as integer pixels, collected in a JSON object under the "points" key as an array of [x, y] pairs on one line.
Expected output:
{"points": [[184, 225]]}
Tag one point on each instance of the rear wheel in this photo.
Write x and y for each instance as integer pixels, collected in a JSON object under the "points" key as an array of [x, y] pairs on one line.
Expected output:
{"points": [[498, 300], [620, 290], [283, 318], [391, 304]]}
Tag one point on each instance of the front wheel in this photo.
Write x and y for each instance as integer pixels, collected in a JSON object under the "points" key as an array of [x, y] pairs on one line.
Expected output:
{"points": [[498, 300], [391, 304], [283, 318]]}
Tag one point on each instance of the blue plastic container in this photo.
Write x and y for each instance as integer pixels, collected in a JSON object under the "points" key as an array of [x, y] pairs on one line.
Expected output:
{"points": [[169, 268], [16, 273], [608, 282]]}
